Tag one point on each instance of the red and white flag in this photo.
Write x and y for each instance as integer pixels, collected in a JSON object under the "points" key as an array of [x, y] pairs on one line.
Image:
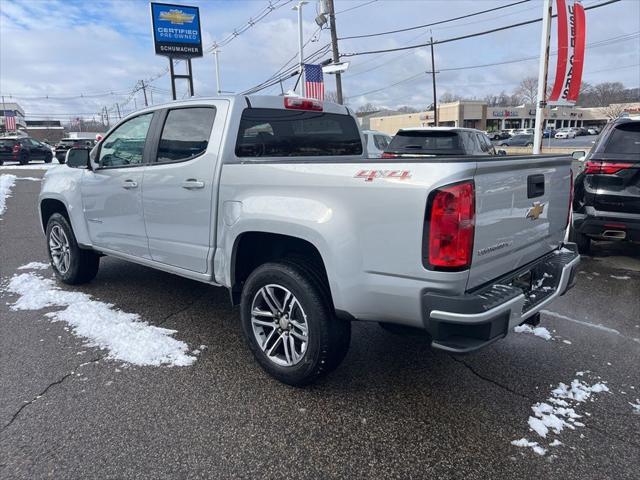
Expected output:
{"points": [[571, 43], [9, 121]]}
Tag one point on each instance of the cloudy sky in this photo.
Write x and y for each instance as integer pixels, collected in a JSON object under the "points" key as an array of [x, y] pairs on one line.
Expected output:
{"points": [[51, 52]]}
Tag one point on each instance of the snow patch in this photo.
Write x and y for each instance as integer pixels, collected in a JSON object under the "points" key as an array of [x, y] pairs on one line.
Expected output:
{"points": [[6, 184], [621, 277], [537, 331], [123, 334], [558, 413], [636, 406], [34, 266]]}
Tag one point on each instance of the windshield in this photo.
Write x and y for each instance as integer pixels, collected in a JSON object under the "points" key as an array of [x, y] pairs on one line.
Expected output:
{"points": [[427, 142]]}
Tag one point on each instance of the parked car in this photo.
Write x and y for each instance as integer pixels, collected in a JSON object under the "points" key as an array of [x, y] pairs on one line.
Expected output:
{"points": [[23, 150], [432, 141], [606, 204], [580, 131], [274, 199], [497, 135], [593, 130], [565, 133], [376, 142], [65, 144], [511, 131], [548, 133], [518, 141]]}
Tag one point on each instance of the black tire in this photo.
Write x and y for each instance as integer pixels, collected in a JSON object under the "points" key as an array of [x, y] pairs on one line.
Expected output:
{"points": [[1, 162], [60, 160], [48, 158], [582, 241], [24, 159], [83, 264], [328, 337]]}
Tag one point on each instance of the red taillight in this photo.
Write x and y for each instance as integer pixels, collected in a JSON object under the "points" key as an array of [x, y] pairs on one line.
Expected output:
{"points": [[605, 168], [451, 224], [298, 103], [389, 155], [16, 148]]}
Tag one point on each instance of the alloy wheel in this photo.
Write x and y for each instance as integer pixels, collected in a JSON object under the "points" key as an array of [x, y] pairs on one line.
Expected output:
{"points": [[279, 325], [60, 249]]}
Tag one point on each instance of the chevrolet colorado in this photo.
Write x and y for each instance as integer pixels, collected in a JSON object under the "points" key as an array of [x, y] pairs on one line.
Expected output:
{"points": [[273, 198]]}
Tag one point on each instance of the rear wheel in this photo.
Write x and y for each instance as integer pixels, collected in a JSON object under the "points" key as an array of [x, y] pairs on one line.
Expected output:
{"points": [[71, 264], [582, 241], [289, 323], [48, 157], [24, 159]]}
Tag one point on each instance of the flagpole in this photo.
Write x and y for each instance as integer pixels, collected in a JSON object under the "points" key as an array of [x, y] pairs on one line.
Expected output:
{"points": [[543, 71]]}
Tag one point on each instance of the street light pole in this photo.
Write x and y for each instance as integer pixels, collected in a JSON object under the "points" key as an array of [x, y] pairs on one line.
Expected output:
{"points": [[218, 86], [298, 7], [433, 79], [543, 71]]}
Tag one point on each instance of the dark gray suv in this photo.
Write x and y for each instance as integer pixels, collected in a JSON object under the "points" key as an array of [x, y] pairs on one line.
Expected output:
{"points": [[606, 204]]}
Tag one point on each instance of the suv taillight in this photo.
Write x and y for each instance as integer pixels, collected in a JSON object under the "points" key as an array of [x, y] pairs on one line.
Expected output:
{"points": [[605, 168], [16, 148], [299, 103], [450, 226]]}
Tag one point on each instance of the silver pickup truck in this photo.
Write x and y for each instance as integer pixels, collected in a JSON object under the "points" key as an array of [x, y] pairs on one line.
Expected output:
{"points": [[275, 199]]}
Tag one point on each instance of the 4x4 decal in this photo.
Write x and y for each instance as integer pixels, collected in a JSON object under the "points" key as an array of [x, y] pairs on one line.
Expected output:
{"points": [[371, 175]]}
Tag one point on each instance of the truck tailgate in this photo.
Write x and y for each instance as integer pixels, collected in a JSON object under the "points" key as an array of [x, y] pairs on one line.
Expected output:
{"points": [[522, 207]]}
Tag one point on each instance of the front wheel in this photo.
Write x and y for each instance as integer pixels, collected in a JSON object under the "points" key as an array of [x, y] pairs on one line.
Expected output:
{"points": [[71, 264], [48, 158], [289, 323], [24, 159]]}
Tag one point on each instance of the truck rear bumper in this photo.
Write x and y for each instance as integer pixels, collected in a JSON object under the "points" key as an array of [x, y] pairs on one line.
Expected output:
{"points": [[462, 324]]}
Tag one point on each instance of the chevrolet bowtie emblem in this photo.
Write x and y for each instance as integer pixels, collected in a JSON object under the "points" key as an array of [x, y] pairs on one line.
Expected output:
{"points": [[535, 211], [176, 17]]}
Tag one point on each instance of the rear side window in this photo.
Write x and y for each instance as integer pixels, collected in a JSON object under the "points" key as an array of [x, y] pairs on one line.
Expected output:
{"points": [[266, 132], [381, 141], [185, 133], [7, 143], [624, 139], [427, 142]]}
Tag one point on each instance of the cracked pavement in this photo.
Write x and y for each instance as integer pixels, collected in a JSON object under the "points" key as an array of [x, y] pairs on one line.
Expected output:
{"points": [[394, 409]]}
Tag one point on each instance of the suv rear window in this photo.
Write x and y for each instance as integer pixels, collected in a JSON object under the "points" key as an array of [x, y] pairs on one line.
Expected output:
{"points": [[624, 138], [266, 132], [7, 143], [428, 142]]}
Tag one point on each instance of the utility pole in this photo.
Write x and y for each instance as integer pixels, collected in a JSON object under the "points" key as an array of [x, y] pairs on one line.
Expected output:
{"points": [[118, 107], [336, 53], [298, 7], [216, 52], [543, 71], [144, 90], [433, 79]]}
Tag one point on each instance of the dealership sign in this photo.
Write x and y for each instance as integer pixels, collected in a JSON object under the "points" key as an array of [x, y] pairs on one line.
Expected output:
{"points": [[571, 45], [505, 113], [176, 30]]}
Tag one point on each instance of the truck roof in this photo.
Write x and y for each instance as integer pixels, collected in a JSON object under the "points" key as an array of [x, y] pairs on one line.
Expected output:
{"points": [[440, 129]]}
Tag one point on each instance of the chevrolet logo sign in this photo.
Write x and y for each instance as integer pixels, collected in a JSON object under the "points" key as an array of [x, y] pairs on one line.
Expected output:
{"points": [[176, 17], [535, 211]]}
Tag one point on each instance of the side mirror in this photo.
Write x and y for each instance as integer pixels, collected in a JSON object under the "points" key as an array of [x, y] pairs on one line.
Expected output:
{"points": [[78, 158], [502, 152], [579, 155]]}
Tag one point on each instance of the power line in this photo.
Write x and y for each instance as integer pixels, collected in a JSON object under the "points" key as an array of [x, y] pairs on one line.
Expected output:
{"points": [[463, 37], [355, 7], [389, 32], [600, 43]]}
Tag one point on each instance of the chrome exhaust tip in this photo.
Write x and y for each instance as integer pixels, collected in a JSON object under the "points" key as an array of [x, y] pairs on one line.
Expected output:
{"points": [[614, 234]]}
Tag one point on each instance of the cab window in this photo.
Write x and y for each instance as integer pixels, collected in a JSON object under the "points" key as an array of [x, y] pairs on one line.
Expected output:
{"points": [[185, 134], [125, 145]]}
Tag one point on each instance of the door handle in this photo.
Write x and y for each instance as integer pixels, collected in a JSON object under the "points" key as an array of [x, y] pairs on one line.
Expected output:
{"points": [[192, 184], [129, 184]]}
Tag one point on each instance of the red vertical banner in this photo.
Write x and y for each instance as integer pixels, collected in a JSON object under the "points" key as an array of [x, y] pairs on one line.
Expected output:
{"points": [[571, 44]]}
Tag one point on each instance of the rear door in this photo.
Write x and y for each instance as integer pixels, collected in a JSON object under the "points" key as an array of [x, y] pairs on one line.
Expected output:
{"points": [[179, 193], [522, 207], [6, 149], [613, 171]]}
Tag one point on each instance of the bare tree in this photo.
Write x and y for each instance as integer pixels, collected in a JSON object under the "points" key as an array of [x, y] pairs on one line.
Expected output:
{"points": [[527, 90], [366, 108], [407, 109], [613, 110]]}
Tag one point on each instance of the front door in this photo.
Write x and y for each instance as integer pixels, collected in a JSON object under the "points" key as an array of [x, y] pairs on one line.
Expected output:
{"points": [[178, 196], [112, 193]]}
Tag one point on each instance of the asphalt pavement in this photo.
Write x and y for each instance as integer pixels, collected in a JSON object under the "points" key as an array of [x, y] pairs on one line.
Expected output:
{"points": [[393, 409]]}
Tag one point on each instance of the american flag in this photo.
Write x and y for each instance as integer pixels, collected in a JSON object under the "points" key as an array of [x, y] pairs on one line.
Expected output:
{"points": [[313, 82], [9, 121]]}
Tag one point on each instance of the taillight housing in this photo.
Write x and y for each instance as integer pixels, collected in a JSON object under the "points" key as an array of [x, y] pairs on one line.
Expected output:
{"points": [[389, 155], [450, 227], [299, 103], [605, 168]]}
